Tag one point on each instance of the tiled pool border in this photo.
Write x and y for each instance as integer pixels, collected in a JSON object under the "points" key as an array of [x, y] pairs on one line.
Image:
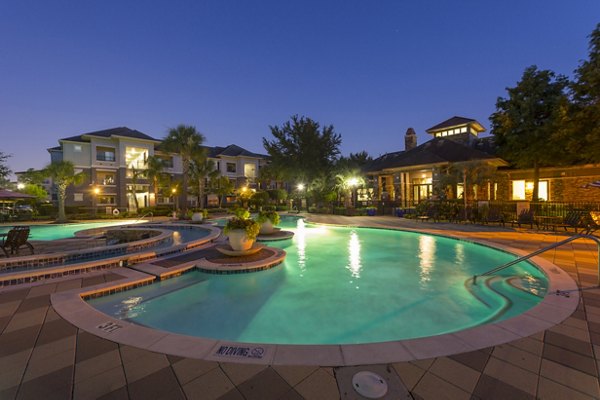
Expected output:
{"points": [[553, 309], [143, 254]]}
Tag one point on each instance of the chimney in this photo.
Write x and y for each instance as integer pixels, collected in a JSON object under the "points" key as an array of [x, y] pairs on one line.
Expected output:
{"points": [[410, 139]]}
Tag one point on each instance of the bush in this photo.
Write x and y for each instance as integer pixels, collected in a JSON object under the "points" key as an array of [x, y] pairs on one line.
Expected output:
{"points": [[272, 216], [277, 195], [251, 227], [282, 208]]}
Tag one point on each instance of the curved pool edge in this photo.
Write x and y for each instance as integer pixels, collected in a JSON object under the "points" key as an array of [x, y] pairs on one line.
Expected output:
{"points": [[144, 254], [552, 310]]}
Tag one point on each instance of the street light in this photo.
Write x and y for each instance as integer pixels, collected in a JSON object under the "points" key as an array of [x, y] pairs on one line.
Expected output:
{"points": [[174, 193], [96, 191], [300, 188], [352, 183]]}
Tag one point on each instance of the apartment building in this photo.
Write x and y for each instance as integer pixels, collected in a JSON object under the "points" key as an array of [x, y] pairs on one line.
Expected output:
{"points": [[113, 161]]}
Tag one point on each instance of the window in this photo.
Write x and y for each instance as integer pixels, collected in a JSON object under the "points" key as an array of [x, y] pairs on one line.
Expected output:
{"points": [[106, 178], [77, 196], [518, 190], [77, 148], [105, 154], [135, 157], [167, 161], [523, 190], [250, 170], [106, 199], [231, 167], [463, 129]]}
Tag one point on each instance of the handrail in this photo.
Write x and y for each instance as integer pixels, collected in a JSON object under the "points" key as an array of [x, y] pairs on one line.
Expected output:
{"points": [[542, 250], [151, 214]]}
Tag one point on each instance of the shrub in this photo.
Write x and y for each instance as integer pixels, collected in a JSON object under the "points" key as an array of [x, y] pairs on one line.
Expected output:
{"points": [[251, 227], [272, 216]]}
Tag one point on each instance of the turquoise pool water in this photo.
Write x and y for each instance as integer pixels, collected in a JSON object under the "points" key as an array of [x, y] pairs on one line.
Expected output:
{"points": [[62, 231], [339, 286]]}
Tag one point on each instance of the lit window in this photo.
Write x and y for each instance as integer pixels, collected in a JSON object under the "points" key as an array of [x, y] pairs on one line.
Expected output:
{"points": [[77, 196], [463, 129], [518, 190], [250, 170], [459, 191], [543, 190], [77, 148], [445, 133], [523, 190]]}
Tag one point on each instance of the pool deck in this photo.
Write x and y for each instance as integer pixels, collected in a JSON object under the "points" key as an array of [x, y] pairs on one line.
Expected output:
{"points": [[44, 356]]}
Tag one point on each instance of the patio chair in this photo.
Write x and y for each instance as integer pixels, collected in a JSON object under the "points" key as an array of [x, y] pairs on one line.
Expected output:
{"points": [[493, 215], [573, 219], [525, 217], [15, 239]]}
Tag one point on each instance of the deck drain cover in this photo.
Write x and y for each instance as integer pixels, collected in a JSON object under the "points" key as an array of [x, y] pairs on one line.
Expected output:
{"points": [[369, 384]]}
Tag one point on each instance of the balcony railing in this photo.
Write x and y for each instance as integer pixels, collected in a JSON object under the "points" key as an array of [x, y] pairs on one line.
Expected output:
{"points": [[105, 157]]}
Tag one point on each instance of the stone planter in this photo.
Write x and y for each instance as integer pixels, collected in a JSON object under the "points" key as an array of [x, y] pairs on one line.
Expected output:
{"points": [[197, 217], [266, 228], [238, 240]]}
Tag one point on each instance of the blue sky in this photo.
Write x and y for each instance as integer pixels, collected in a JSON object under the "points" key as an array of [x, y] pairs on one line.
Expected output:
{"points": [[232, 68]]}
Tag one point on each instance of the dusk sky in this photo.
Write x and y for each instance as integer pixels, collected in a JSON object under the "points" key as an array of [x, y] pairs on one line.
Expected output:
{"points": [[232, 68]]}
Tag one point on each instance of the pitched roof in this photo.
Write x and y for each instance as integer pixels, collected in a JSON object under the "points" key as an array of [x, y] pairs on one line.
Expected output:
{"points": [[232, 151], [454, 121], [107, 133], [435, 151]]}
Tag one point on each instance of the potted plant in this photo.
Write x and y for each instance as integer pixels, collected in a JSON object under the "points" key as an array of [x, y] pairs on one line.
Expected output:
{"points": [[267, 219], [197, 216], [242, 233]]}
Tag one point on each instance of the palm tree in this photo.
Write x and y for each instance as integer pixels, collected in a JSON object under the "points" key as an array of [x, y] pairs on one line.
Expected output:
{"points": [[200, 169], [221, 186], [186, 141], [154, 172], [136, 174], [63, 175]]}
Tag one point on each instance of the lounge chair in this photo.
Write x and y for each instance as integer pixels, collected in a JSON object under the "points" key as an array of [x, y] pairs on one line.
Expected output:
{"points": [[493, 215], [15, 239], [573, 219], [525, 217]]}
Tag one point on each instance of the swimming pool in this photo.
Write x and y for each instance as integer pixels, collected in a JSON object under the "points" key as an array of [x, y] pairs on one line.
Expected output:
{"points": [[63, 231], [340, 285]]}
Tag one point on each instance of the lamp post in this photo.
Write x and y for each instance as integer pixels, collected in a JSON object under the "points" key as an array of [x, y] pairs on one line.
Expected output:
{"points": [[300, 188], [174, 193], [96, 192], [352, 183]]}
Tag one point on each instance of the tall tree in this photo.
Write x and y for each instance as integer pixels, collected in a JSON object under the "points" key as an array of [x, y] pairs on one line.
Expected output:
{"points": [[221, 186], [63, 175], [155, 167], [303, 150], [525, 123], [136, 174], [4, 169], [585, 90], [186, 141], [202, 168]]}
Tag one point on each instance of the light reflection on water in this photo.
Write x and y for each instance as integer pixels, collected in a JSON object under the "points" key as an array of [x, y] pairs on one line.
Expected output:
{"points": [[427, 250], [130, 307], [301, 245], [354, 259]]}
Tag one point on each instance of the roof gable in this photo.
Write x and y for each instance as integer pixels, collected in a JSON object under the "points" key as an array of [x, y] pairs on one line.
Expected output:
{"points": [[107, 133], [454, 121]]}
